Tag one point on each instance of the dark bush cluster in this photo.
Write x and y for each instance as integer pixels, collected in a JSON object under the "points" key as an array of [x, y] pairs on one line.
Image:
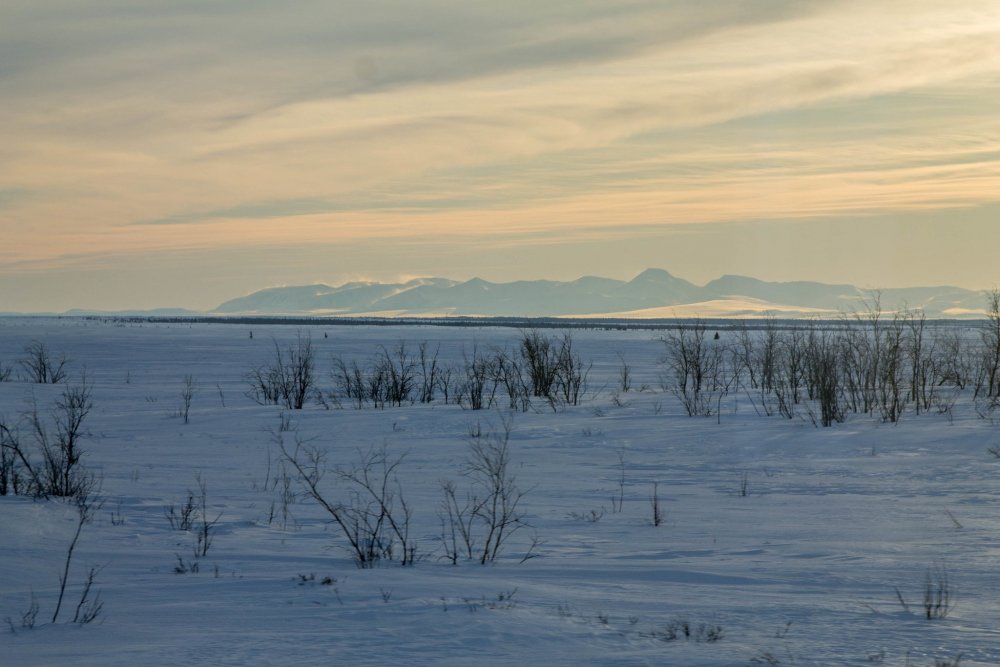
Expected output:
{"points": [[872, 362]]}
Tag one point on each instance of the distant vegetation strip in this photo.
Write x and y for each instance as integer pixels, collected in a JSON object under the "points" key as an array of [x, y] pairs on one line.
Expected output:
{"points": [[597, 323]]}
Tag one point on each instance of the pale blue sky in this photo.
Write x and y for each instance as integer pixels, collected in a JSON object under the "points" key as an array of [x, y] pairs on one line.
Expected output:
{"points": [[181, 153]]}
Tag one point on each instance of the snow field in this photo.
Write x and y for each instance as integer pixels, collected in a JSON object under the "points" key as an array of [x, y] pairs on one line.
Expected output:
{"points": [[801, 570]]}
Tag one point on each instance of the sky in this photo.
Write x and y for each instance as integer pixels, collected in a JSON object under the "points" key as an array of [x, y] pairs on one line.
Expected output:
{"points": [[179, 153]]}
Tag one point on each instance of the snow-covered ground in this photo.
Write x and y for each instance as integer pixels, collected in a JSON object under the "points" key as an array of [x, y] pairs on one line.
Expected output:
{"points": [[789, 541]]}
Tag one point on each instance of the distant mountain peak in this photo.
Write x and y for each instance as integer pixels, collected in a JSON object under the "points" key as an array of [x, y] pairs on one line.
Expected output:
{"points": [[653, 275]]}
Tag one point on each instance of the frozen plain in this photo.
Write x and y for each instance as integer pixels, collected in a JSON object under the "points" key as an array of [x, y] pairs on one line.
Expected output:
{"points": [[802, 570]]}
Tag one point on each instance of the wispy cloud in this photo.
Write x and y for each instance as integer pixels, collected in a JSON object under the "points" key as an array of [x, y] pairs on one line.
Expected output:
{"points": [[166, 125]]}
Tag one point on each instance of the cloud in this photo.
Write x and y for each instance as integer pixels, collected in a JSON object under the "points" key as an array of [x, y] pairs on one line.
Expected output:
{"points": [[186, 125]]}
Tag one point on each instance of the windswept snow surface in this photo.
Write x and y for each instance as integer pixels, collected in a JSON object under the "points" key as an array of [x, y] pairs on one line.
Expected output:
{"points": [[802, 570]]}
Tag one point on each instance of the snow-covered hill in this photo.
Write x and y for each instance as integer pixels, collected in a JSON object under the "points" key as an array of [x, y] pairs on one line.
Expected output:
{"points": [[653, 293]]}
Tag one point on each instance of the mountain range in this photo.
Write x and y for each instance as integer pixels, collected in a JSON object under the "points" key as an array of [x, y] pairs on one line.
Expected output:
{"points": [[654, 293]]}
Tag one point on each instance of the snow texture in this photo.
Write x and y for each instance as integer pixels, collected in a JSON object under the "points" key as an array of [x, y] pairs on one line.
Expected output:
{"points": [[801, 569]]}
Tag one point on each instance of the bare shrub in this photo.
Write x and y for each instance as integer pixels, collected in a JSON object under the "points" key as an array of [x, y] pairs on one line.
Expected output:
{"points": [[480, 382], [488, 467], [375, 518], [56, 470], [28, 617], [694, 364], [192, 515], [41, 365], [990, 336], [624, 374], [891, 394], [349, 381], [87, 610], [479, 527], [288, 379], [823, 372], [654, 502], [542, 360], [187, 393], [445, 378], [11, 481], [921, 357], [429, 367], [618, 500], [681, 629], [952, 359], [389, 379], [183, 517], [571, 374], [458, 523], [939, 593], [399, 370], [205, 525], [554, 371]]}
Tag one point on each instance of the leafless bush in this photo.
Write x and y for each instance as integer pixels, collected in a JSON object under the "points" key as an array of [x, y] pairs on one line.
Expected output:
{"points": [[542, 360], [41, 365], [58, 473], [511, 376], [824, 375], [654, 502], [11, 480], [428, 372], [28, 617], [891, 394], [445, 378], [192, 515], [694, 365], [288, 379], [205, 525], [554, 370], [488, 468], [921, 358], [571, 374], [55, 470], [618, 500], [88, 609], [390, 379], [939, 593], [683, 629], [187, 393], [286, 496], [624, 374], [458, 523], [481, 380], [990, 337], [479, 527], [952, 359], [375, 518], [183, 517], [400, 371], [350, 382]]}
